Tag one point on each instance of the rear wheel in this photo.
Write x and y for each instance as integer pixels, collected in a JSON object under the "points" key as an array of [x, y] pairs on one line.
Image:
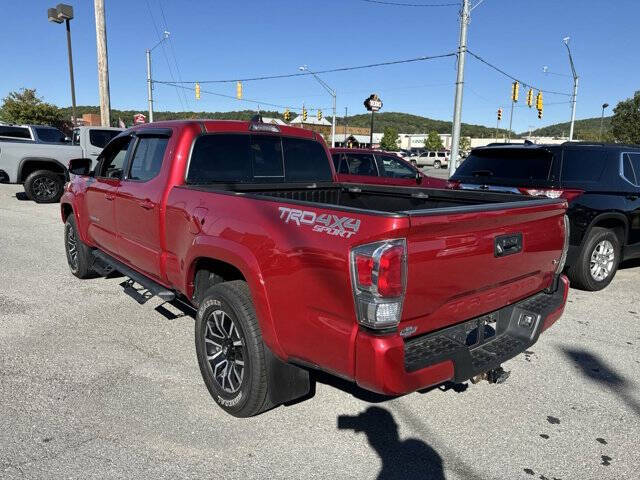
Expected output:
{"points": [[43, 186], [230, 351], [598, 261], [437, 164]]}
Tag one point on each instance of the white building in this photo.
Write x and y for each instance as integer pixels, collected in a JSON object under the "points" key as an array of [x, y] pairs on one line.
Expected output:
{"points": [[311, 120]]}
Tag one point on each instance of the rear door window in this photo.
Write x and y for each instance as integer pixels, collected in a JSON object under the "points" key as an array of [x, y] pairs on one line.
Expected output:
{"points": [[146, 161], [631, 170], [395, 168], [583, 165], [14, 132], [305, 161], [49, 135], [513, 166], [100, 138]]}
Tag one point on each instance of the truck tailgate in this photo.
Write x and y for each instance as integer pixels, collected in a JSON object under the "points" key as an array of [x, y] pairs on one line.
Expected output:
{"points": [[457, 271]]}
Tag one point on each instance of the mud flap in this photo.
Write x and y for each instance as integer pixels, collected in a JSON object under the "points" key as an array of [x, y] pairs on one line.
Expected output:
{"points": [[286, 382]]}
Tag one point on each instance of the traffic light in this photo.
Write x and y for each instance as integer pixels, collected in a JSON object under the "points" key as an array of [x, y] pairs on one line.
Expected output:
{"points": [[515, 90], [539, 104], [319, 115], [530, 98], [540, 114], [287, 115], [499, 114], [239, 90], [197, 91], [304, 114]]}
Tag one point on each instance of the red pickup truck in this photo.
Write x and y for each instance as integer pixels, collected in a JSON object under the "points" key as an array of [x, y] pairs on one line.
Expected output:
{"points": [[394, 288]]}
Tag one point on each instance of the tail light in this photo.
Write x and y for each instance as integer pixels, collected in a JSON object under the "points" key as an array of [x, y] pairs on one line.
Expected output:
{"points": [[552, 193], [379, 277], [454, 184], [565, 247]]}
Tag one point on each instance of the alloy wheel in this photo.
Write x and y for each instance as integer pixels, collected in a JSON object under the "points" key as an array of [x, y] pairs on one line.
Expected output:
{"points": [[225, 350], [602, 260], [72, 247], [45, 188]]}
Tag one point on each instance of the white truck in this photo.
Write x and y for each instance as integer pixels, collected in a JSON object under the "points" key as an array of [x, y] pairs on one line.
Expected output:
{"points": [[42, 167]]}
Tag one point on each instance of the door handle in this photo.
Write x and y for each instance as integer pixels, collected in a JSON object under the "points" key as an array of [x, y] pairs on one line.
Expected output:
{"points": [[633, 198], [108, 196], [147, 204]]}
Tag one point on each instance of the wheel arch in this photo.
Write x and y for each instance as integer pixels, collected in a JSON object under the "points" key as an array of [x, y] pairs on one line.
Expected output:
{"points": [[235, 263], [29, 165], [615, 221]]}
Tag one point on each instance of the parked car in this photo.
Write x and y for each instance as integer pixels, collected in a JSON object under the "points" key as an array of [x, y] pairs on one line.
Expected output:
{"points": [[359, 165], [601, 183], [433, 159], [393, 288], [41, 167], [32, 134]]}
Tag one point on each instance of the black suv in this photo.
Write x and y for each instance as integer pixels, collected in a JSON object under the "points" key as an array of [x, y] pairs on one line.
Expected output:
{"points": [[601, 182]]}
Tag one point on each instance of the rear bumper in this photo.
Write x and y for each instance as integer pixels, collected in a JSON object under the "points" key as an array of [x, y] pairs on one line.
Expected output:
{"points": [[394, 366]]}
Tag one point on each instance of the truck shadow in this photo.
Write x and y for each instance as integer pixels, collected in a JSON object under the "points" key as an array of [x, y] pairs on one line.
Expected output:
{"points": [[22, 196], [401, 459], [592, 367]]}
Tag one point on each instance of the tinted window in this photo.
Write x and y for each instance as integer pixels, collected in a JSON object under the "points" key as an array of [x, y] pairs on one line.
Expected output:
{"points": [[336, 161], [394, 168], [583, 165], [628, 169], [147, 158], [305, 160], [635, 162], [51, 135], [513, 164], [100, 138], [267, 157], [360, 164], [15, 132], [112, 159], [257, 158]]}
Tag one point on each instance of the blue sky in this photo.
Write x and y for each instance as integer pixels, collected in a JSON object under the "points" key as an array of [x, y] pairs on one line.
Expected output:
{"points": [[230, 39]]}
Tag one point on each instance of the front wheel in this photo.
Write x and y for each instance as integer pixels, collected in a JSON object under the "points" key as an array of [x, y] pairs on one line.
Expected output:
{"points": [[437, 164], [598, 261], [43, 186], [79, 256], [230, 351]]}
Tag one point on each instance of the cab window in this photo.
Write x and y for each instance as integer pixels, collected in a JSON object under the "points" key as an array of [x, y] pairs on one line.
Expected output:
{"points": [[112, 158]]}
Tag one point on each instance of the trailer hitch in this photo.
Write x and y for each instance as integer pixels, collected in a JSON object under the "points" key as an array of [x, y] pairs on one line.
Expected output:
{"points": [[497, 375]]}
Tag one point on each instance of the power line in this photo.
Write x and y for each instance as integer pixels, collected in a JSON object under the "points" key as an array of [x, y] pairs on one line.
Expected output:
{"points": [[524, 84], [248, 100], [401, 4], [332, 70]]}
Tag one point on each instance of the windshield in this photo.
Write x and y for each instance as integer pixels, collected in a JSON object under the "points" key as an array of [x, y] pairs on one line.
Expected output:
{"points": [[511, 164]]}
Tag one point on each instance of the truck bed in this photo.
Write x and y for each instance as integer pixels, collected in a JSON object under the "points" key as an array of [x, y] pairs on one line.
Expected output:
{"points": [[382, 199]]}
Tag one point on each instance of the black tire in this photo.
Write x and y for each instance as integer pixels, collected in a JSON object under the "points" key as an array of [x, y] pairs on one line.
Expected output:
{"points": [[437, 164], [222, 305], [79, 256], [43, 186], [581, 275]]}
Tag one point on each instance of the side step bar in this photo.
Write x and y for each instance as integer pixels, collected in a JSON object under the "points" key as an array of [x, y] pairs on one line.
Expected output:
{"points": [[153, 287]]}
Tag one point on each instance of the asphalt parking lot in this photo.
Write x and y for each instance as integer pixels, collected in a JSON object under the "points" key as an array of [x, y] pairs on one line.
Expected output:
{"points": [[94, 385]]}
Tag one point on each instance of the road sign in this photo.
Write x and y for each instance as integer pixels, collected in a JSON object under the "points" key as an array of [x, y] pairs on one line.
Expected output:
{"points": [[373, 103], [139, 118]]}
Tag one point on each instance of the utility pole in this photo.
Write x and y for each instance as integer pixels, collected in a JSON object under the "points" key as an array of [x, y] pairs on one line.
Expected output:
{"points": [[148, 51], [510, 121], [344, 142], [465, 15], [575, 88], [103, 64]]}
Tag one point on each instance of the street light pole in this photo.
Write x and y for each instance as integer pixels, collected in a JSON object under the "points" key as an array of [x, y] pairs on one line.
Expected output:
{"points": [[604, 105], [148, 51], [465, 14], [332, 92], [575, 88], [59, 14]]}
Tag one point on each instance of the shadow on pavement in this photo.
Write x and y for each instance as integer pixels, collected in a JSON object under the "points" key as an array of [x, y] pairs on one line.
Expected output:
{"points": [[22, 196], [597, 371], [630, 264], [401, 459]]}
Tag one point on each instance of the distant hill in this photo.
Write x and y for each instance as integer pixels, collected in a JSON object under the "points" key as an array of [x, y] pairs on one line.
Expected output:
{"points": [[402, 122], [586, 129]]}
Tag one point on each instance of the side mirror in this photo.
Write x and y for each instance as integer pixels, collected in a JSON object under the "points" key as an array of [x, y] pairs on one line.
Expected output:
{"points": [[80, 166], [418, 178]]}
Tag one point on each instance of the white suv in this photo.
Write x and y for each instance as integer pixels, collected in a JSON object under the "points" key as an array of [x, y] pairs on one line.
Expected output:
{"points": [[432, 159]]}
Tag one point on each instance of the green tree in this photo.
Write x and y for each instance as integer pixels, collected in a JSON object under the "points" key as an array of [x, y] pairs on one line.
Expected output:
{"points": [[625, 123], [464, 145], [25, 106], [433, 142], [389, 140]]}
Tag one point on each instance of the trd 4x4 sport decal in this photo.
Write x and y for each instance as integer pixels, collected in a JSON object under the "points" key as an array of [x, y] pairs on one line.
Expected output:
{"points": [[324, 223]]}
